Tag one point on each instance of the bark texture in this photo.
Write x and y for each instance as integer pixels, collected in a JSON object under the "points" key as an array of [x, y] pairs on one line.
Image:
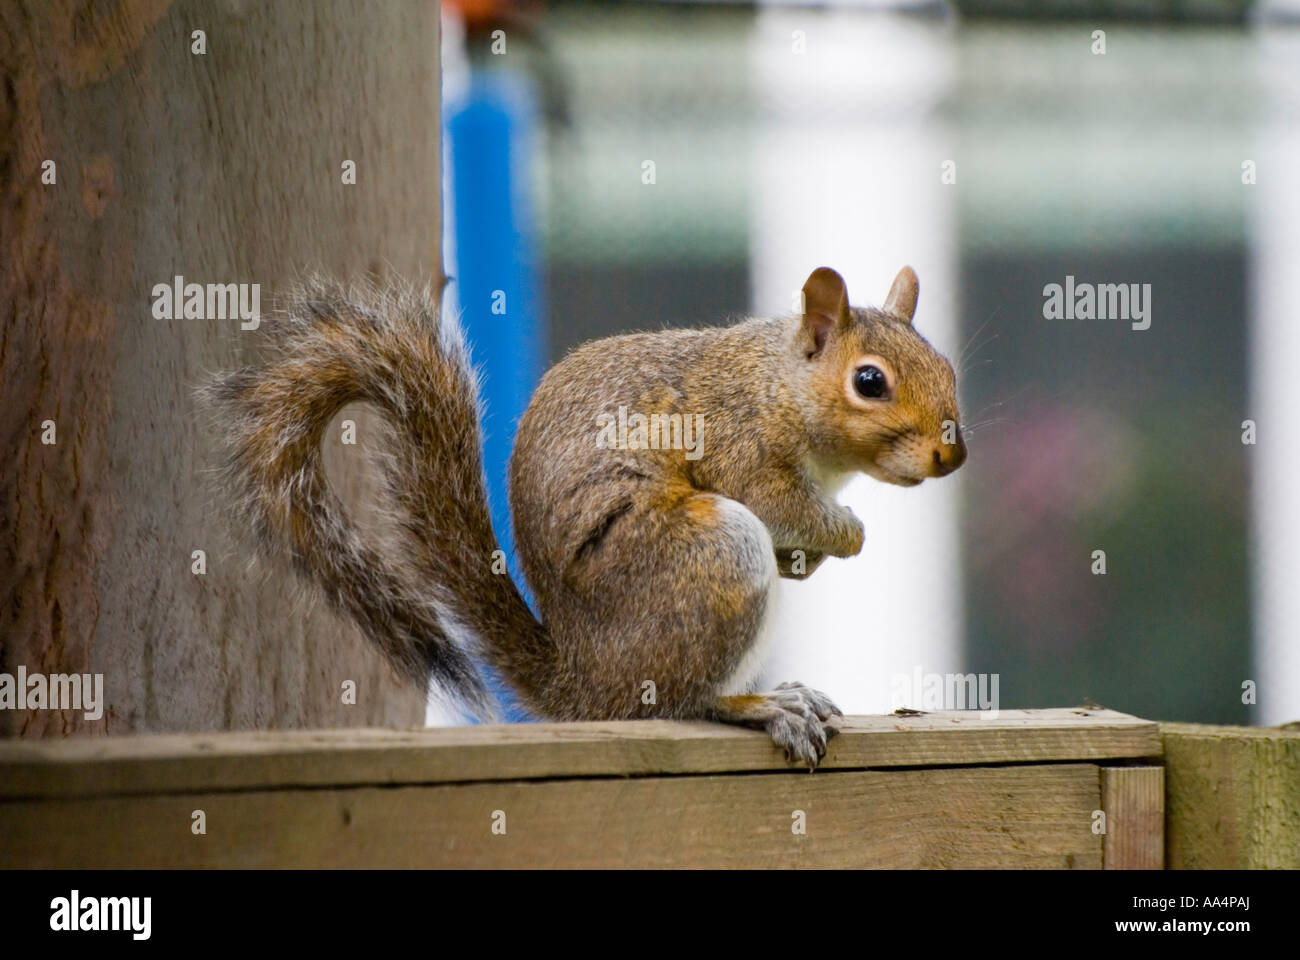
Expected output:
{"points": [[222, 167]]}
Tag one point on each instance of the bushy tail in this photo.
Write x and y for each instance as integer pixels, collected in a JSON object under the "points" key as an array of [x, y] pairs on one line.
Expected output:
{"points": [[433, 604]]}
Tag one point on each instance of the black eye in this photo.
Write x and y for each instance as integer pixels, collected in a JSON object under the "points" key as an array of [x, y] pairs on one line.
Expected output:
{"points": [[870, 382]]}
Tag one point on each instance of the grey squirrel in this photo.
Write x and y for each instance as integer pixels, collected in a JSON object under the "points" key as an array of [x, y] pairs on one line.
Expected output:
{"points": [[650, 564]]}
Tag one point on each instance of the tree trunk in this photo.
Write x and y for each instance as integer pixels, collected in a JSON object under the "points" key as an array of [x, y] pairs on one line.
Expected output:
{"points": [[221, 167]]}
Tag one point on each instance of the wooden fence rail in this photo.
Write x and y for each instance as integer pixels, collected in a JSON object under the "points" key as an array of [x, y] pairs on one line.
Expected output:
{"points": [[1027, 789]]}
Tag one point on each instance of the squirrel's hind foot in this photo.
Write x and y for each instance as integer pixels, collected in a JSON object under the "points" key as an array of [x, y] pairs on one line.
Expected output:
{"points": [[796, 717]]}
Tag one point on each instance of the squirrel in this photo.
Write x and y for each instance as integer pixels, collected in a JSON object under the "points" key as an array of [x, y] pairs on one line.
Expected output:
{"points": [[650, 564]]}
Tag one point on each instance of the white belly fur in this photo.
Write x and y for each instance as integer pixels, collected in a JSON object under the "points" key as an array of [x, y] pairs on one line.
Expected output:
{"points": [[744, 679], [745, 676]]}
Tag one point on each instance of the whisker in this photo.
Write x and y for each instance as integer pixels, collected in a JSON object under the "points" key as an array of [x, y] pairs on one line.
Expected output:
{"points": [[972, 337], [972, 348], [985, 423], [1002, 403]]}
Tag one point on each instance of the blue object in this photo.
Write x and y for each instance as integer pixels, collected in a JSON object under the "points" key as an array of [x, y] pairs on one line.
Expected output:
{"points": [[490, 136]]}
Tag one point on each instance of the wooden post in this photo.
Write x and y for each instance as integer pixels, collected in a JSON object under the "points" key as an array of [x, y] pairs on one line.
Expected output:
{"points": [[205, 140], [1233, 798]]}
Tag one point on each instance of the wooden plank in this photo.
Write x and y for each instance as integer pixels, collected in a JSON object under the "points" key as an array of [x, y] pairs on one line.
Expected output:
{"points": [[1133, 799], [1021, 817], [283, 759], [1233, 797]]}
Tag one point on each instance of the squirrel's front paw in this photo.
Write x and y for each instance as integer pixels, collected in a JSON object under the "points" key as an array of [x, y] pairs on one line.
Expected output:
{"points": [[799, 727], [798, 564], [854, 534]]}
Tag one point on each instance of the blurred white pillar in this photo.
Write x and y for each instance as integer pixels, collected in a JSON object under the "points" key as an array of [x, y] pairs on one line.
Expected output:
{"points": [[1275, 386], [848, 149]]}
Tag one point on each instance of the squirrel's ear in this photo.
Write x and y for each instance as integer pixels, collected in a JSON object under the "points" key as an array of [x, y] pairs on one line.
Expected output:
{"points": [[825, 308], [902, 295]]}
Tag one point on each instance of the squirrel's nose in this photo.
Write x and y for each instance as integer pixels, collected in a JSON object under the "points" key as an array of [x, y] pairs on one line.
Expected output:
{"points": [[948, 457]]}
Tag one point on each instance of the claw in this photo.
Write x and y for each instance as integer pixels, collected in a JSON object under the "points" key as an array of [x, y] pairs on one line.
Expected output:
{"points": [[801, 728]]}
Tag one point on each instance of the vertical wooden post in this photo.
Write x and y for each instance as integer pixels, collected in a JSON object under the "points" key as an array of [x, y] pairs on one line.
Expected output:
{"points": [[1134, 801], [216, 156], [1234, 797]]}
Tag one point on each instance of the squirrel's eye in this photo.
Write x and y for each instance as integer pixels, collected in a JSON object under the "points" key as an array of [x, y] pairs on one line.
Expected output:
{"points": [[870, 382]]}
